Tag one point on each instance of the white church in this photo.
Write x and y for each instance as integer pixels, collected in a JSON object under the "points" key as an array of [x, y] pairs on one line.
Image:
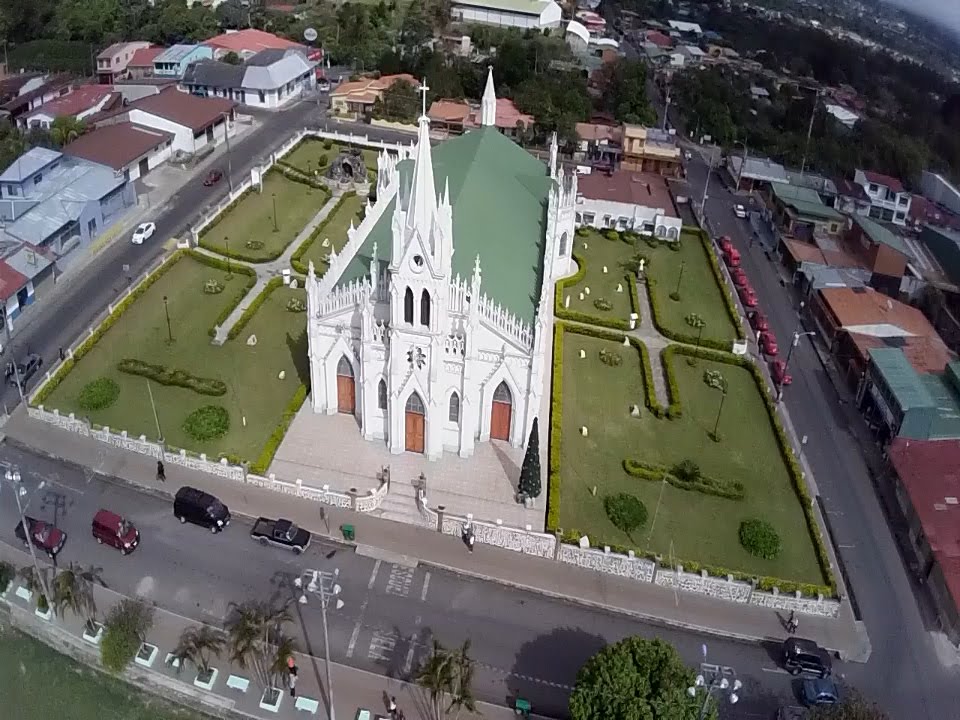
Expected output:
{"points": [[431, 325]]}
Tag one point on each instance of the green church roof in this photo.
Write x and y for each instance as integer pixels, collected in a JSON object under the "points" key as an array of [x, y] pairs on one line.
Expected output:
{"points": [[499, 196]]}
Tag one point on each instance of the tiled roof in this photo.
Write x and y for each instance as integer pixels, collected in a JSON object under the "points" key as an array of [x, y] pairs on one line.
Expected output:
{"points": [[117, 145], [449, 111], [643, 189], [659, 39], [855, 309], [848, 188], [925, 354], [10, 281], [879, 234], [250, 40], [73, 103], [144, 57], [597, 132], [891, 183], [367, 89], [183, 108]]}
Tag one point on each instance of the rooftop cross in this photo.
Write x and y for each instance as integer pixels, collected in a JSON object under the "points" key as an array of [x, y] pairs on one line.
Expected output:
{"points": [[423, 89]]}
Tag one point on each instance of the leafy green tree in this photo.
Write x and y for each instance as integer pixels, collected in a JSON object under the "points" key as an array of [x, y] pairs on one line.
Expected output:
{"points": [[231, 58], [197, 644], [73, 590], [65, 129], [624, 92], [92, 21], [529, 484], [400, 103], [257, 639], [447, 676], [126, 627], [853, 707], [635, 679]]}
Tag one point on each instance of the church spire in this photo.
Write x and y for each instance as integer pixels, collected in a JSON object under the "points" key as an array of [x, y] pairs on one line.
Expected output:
{"points": [[423, 194], [488, 106]]}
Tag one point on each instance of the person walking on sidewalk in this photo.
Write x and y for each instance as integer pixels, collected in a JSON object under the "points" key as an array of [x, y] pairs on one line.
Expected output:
{"points": [[161, 472], [393, 707], [292, 677], [793, 623]]}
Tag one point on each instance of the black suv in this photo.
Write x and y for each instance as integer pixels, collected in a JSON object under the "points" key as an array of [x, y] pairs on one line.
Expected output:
{"points": [[200, 508], [805, 656]]}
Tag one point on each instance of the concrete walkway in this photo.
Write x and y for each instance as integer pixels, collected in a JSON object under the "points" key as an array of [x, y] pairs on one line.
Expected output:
{"points": [[647, 333]]}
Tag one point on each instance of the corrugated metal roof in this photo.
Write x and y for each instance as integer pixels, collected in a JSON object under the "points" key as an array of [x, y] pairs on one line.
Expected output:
{"points": [[27, 164], [176, 53], [805, 201], [276, 74], [904, 382], [879, 234]]}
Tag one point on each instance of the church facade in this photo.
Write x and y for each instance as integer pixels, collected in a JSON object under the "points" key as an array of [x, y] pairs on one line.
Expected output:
{"points": [[432, 324]]}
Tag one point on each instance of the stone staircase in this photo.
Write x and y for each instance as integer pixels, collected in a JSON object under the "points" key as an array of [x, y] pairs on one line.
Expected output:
{"points": [[400, 504]]}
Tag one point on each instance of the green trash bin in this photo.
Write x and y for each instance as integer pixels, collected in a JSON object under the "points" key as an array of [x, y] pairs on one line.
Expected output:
{"points": [[348, 532], [522, 707]]}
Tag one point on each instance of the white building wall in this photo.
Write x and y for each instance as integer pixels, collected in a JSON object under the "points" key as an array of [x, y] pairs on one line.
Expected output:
{"points": [[183, 138], [470, 14], [605, 214]]}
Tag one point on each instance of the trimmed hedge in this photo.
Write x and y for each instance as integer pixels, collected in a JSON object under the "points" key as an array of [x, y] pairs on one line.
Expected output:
{"points": [[727, 489], [251, 310], [759, 538], [728, 300], [575, 316], [295, 260], [675, 409], [276, 437], [649, 391], [108, 322], [238, 269], [556, 424], [207, 423], [98, 394], [173, 377], [634, 298]]}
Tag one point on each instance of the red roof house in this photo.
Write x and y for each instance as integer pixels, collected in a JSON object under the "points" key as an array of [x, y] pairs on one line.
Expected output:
{"points": [[82, 102]]}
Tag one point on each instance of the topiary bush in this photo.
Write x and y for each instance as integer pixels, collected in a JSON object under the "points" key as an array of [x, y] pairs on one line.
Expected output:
{"points": [[213, 287], [626, 512], [125, 628], [687, 471], [173, 376], [296, 305], [98, 394], [759, 538], [207, 423], [603, 304], [254, 244], [611, 358], [611, 235]]}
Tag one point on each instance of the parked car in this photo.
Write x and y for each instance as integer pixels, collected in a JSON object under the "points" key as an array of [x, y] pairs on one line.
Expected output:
{"points": [[739, 277], [768, 343], [115, 531], [323, 86], [778, 371], [725, 243], [24, 370], [200, 508], [213, 177], [802, 656], [819, 692], [143, 232], [758, 321], [43, 535], [282, 533], [739, 211], [747, 296], [732, 258]]}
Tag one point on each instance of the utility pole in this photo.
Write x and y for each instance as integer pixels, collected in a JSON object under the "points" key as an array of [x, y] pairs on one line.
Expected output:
{"points": [[666, 107], [13, 477], [703, 200], [226, 135], [317, 585], [806, 148]]}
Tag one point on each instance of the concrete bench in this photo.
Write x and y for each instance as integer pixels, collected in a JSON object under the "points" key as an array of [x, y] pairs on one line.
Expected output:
{"points": [[307, 704], [235, 682]]}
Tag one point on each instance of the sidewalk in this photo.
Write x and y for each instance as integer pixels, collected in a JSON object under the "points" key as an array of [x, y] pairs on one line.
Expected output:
{"points": [[648, 602], [354, 690]]}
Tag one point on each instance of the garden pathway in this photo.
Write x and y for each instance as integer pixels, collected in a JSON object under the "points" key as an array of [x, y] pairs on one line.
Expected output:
{"points": [[647, 333]]}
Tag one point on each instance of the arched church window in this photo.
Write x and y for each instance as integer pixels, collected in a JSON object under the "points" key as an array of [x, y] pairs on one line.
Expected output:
{"points": [[563, 245], [453, 413], [425, 308], [382, 395], [408, 306]]}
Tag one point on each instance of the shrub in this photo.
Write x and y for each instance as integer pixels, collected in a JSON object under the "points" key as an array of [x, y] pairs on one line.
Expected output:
{"points": [[626, 512], [254, 244], [650, 393], [728, 489], [213, 287], [7, 573], [687, 471], [556, 424], [296, 261], [251, 310], [603, 304], [173, 377], [759, 538], [207, 423], [125, 628], [611, 358], [276, 437], [327, 144], [322, 161], [296, 305], [611, 235], [675, 296], [98, 394]]}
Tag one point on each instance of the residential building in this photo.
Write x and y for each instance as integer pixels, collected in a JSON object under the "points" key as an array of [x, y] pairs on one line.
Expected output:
{"points": [[355, 99], [174, 61], [141, 64], [456, 116], [800, 214], [599, 143], [25, 272], [270, 79], [526, 14], [657, 38], [940, 190], [944, 244], [593, 22], [850, 198], [650, 150], [758, 92], [756, 173], [58, 203], [624, 200], [81, 103], [889, 200], [409, 328], [247, 43], [131, 150], [47, 89], [924, 211], [685, 29], [924, 476], [577, 37], [846, 118], [879, 249], [19, 83], [112, 62], [691, 54]]}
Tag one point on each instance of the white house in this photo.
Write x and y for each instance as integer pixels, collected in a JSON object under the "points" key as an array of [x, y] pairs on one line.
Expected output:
{"points": [[431, 326], [625, 200], [845, 117], [131, 150], [537, 14], [270, 79], [889, 200]]}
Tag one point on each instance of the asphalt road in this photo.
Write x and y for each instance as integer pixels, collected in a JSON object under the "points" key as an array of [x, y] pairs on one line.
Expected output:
{"points": [[905, 673], [522, 642]]}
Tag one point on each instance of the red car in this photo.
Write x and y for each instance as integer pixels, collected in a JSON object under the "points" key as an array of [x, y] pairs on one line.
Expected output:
{"points": [[778, 370], [212, 178], [747, 296], [43, 535], [768, 343], [739, 277], [732, 258], [726, 245], [758, 321]]}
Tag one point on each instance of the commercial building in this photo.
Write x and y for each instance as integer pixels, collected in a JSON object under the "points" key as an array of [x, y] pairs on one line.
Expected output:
{"points": [[650, 150], [526, 14], [625, 200], [756, 173], [131, 150]]}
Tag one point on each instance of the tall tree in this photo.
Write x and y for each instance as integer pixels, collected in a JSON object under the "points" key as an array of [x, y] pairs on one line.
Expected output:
{"points": [[257, 639], [624, 91], [530, 484], [65, 129], [400, 103], [197, 644], [447, 676], [73, 590]]}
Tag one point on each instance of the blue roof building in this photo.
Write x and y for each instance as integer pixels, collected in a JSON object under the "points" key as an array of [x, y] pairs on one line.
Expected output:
{"points": [[173, 61]]}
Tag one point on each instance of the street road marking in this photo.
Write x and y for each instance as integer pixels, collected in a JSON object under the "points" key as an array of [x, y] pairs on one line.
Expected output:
{"points": [[400, 580], [408, 664], [848, 547], [363, 606], [426, 586], [382, 645], [778, 671]]}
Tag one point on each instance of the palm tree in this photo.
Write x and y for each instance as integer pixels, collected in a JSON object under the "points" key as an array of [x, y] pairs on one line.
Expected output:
{"points": [[447, 676], [65, 129], [37, 581], [257, 639], [73, 590], [196, 645]]}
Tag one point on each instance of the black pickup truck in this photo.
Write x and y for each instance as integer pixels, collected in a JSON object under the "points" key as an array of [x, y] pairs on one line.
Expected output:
{"points": [[280, 532]]}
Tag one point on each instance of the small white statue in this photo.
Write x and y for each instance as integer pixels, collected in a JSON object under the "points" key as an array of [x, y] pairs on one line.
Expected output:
{"points": [[325, 243], [282, 375], [643, 263], [583, 354], [619, 287], [252, 340], [604, 269], [293, 284]]}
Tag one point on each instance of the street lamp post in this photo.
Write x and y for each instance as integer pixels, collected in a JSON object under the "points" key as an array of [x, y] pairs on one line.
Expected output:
{"points": [[680, 277], [274, 196], [166, 311], [703, 200], [317, 586], [226, 135], [12, 476], [786, 365], [743, 160], [226, 245], [714, 686], [716, 425]]}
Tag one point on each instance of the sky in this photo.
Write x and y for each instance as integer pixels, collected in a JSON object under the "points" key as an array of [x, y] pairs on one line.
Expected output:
{"points": [[946, 12]]}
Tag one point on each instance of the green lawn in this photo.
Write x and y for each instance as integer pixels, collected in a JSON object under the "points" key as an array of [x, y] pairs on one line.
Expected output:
{"points": [[599, 253], [688, 525], [38, 683], [251, 373], [251, 219], [306, 156], [699, 292], [335, 230]]}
